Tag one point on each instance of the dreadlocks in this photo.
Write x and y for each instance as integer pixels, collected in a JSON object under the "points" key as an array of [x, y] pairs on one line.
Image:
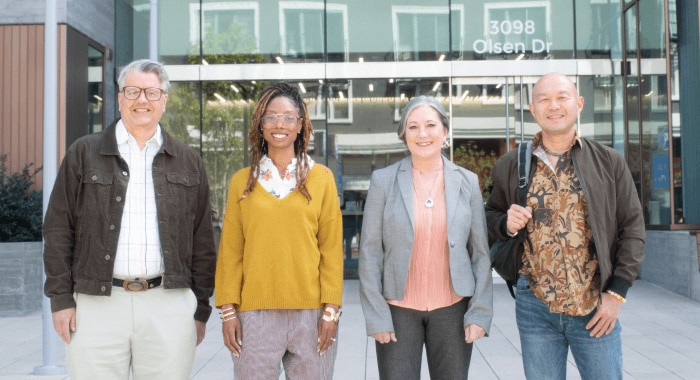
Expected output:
{"points": [[258, 145]]}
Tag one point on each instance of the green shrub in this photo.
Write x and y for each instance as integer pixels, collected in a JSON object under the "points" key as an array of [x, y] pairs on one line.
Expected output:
{"points": [[20, 208]]}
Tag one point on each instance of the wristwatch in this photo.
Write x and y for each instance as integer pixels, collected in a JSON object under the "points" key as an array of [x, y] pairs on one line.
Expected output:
{"points": [[334, 315]]}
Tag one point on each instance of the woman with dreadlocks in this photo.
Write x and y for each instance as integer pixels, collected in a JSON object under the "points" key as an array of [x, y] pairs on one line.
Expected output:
{"points": [[279, 275]]}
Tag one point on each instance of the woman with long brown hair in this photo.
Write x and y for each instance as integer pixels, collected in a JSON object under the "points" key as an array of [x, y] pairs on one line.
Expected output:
{"points": [[279, 278]]}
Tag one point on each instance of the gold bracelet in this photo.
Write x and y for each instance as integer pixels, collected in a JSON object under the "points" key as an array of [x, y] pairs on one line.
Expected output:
{"points": [[617, 296], [334, 315], [228, 317]]}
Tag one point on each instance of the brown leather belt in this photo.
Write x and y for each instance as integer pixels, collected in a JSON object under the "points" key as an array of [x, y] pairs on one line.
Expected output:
{"points": [[137, 284]]}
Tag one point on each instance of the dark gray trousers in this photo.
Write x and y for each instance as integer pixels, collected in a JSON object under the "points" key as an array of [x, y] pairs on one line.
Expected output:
{"points": [[442, 333]]}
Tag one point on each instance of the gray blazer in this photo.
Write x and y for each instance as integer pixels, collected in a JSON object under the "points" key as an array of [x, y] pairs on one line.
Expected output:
{"points": [[387, 243]]}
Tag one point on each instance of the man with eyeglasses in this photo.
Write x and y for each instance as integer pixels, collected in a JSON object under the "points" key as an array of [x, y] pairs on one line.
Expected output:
{"points": [[129, 250]]}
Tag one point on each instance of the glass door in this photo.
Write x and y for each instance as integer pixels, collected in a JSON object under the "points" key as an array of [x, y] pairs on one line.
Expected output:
{"points": [[490, 117], [647, 118], [95, 89]]}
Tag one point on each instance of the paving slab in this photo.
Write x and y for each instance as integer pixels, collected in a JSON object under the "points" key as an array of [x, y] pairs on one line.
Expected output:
{"points": [[660, 338]]}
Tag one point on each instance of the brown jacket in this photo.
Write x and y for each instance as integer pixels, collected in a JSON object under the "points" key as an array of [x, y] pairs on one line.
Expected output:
{"points": [[614, 211], [82, 223]]}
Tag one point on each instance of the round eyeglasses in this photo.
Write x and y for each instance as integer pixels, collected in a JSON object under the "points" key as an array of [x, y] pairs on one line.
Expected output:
{"points": [[271, 120], [133, 93]]}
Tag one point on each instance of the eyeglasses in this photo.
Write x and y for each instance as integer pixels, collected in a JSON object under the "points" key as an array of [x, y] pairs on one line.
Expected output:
{"points": [[133, 93], [271, 120]]}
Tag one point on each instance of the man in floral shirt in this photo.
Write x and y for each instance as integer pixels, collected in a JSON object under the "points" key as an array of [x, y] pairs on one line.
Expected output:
{"points": [[584, 249]]}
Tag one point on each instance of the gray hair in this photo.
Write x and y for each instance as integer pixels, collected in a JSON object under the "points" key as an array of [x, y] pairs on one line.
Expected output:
{"points": [[421, 101], [145, 66]]}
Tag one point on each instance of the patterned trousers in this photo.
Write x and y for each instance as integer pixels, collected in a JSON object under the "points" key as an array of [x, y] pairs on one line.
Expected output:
{"points": [[289, 337]]}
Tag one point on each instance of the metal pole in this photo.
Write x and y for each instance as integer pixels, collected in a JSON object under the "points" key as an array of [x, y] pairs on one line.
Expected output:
{"points": [[50, 168], [153, 32], [507, 102]]}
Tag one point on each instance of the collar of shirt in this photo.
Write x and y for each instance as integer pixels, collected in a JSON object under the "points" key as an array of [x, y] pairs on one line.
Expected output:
{"points": [[538, 150], [537, 141], [123, 135], [271, 180]]}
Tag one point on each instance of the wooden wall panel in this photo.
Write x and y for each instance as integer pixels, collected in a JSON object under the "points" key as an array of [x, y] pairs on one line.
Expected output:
{"points": [[22, 95]]}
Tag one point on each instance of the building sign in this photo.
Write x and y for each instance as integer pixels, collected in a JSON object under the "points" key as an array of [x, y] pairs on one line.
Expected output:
{"points": [[504, 30], [522, 27]]}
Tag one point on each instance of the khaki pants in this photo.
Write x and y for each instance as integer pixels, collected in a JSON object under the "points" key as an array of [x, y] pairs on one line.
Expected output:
{"points": [[152, 333]]}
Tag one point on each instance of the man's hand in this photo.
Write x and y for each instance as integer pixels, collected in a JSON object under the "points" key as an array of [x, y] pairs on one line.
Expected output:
{"points": [[603, 321], [517, 218], [64, 323], [201, 330]]}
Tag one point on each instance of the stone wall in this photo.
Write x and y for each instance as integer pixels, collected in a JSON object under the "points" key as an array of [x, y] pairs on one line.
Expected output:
{"points": [[671, 262], [21, 280]]}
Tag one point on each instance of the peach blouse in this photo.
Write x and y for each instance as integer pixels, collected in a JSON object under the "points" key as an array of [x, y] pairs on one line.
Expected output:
{"points": [[429, 286]]}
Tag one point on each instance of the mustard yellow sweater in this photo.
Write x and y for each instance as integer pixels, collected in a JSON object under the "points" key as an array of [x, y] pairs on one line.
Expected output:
{"points": [[281, 253]]}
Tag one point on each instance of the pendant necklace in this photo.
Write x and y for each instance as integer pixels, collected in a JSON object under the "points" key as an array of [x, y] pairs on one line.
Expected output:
{"points": [[429, 201]]}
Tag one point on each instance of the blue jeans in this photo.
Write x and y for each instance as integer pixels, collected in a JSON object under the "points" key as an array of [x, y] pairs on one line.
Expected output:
{"points": [[546, 337]]}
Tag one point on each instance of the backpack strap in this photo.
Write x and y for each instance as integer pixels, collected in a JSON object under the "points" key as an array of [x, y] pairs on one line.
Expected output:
{"points": [[524, 163]]}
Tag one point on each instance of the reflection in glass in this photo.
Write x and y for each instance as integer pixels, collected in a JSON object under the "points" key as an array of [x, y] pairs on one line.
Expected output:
{"points": [[226, 19], [230, 33], [95, 90], [301, 31], [360, 31], [368, 141], [223, 138], [337, 38], [652, 33], [656, 135], [634, 153], [598, 29], [656, 146], [355, 118], [420, 33], [676, 173]]}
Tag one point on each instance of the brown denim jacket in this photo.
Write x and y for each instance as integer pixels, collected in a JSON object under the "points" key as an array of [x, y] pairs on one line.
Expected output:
{"points": [[82, 223], [614, 211]]}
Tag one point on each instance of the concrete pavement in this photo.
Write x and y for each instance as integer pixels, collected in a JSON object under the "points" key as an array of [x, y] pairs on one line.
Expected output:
{"points": [[660, 336]]}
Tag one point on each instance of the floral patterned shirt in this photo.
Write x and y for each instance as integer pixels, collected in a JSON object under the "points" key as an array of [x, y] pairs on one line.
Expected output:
{"points": [[270, 179], [562, 264]]}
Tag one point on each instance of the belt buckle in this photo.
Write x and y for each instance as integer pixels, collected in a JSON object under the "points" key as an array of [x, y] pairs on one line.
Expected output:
{"points": [[135, 285]]}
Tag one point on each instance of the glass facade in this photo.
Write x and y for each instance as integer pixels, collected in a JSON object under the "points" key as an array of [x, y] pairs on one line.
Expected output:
{"points": [[358, 62], [95, 91]]}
